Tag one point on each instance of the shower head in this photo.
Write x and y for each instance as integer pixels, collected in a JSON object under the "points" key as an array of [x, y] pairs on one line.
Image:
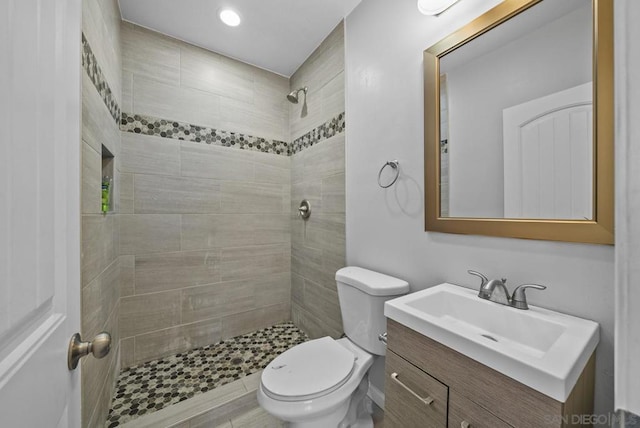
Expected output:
{"points": [[293, 95]]}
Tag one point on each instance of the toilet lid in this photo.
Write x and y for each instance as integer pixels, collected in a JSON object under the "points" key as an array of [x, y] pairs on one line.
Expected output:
{"points": [[309, 370]]}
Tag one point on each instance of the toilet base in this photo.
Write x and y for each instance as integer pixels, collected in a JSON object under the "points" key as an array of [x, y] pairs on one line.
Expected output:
{"points": [[355, 413]]}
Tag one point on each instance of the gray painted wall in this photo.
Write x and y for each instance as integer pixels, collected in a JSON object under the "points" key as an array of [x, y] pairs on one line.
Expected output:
{"points": [[627, 66], [385, 228]]}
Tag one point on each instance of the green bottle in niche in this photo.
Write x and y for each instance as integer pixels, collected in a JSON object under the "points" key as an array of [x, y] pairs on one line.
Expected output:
{"points": [[106, 187]]}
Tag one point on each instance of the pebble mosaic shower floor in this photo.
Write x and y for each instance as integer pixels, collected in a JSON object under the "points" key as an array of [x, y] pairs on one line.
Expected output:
{"points": [[160, 383]]}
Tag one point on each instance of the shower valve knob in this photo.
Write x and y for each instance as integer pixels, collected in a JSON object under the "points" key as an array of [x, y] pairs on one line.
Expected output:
{"points": [[304, 210]]}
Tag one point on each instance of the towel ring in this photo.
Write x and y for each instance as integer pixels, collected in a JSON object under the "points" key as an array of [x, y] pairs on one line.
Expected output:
{"points": [[393, 164]]}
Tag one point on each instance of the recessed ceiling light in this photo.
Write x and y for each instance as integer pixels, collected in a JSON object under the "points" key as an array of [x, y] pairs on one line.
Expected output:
{"points": [[229, 17], [434, 7]]}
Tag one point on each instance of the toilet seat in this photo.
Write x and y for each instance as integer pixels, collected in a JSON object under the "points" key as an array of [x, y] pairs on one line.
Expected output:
{"points": [[309, 370]]}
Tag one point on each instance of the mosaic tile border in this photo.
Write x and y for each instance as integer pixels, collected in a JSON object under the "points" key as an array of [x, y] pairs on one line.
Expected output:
{"points": [[157, 384], [184, 131], [148, 125], [90, 65], [330, 128]]}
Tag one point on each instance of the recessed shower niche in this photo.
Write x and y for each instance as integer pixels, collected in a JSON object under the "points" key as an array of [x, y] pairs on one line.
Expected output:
{"points": [[106, 181]]}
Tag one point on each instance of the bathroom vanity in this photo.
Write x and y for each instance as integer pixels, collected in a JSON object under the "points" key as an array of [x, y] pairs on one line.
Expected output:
{"points": [[466, 393], [455, 360]]}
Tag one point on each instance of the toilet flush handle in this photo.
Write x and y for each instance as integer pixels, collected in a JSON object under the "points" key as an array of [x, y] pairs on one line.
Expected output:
{"points": [[383, 337]]}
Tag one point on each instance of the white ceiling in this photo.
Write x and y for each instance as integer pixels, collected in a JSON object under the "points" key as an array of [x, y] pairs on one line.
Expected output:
{"points": [[277, 35]]}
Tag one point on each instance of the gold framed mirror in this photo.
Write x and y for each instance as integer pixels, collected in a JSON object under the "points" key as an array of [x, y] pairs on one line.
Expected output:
{"points": [[518, 122]]}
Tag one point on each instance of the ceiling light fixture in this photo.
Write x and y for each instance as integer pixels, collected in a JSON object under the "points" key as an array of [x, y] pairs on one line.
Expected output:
{"points": [[434, 7], [229, 17]]}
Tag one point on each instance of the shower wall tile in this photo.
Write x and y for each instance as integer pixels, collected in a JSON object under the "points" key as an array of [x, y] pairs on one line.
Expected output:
{"points": [[177, 81], [234, 297], [175, 195], [127, 352], [99, 248], [127, 275], [273, 289], [254, 262], [91, 180], [266, 173], [233, 230], [149, 312], [333, 194], [269, 94], [326, 233], [318, 175], [219, 300], [297, 288], [100, 262], [143, 154], [127, 91], [205, 197], [149, 233], [98, 377], [169, 271], [99, 298], [314, 327], [94, 71], [333, 96], [178, 339], [153, 98], [125, 185], [310, 190], [251, 198], [309, 262], [240, 116], [323, 304], [325, 159], [98, 126], [221, 163], [246, 322], [101, 28], [320, 74], [184, 131], [210, 72], [150, 54]]}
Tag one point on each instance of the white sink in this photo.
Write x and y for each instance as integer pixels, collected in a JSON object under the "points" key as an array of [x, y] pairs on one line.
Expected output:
{"points": [[542, 349]]}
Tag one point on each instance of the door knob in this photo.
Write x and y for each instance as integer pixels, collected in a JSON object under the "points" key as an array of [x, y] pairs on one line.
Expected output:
{"points": [[99, 347]]}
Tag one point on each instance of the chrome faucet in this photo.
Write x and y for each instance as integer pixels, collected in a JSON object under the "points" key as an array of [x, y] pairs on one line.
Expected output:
{"points": [[496, 291]]}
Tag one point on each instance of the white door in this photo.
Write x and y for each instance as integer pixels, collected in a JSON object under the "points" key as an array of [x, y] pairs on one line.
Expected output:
{"points": [[39, 211], [548, 156]]}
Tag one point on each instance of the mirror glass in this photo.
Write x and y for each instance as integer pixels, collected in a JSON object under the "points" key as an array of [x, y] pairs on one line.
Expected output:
{"points": [[516, 118]]}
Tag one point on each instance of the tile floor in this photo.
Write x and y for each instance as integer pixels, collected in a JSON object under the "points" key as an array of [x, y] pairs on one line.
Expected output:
{"points": [[258, 418], [157, 384]]}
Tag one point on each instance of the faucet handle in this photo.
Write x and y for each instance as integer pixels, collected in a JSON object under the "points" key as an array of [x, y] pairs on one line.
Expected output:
{"points": [[479, 275], [519, 298]]}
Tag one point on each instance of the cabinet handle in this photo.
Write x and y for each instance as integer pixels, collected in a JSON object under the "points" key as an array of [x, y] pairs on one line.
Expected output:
{"points": [[427, 400], [465, 424]]}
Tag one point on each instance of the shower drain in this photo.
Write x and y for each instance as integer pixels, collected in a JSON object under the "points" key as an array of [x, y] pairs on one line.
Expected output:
{"points": [[237, 361]]}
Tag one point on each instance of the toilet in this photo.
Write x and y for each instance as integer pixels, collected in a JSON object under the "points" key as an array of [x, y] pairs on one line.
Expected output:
{"points": [[323, 383]]}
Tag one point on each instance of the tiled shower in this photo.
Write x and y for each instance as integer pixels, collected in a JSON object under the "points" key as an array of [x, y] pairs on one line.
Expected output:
{"points": [[200, 244]]}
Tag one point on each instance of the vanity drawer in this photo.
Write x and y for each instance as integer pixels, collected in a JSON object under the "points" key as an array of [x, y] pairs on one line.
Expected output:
{"points": [[413, 397], [464, 413]]}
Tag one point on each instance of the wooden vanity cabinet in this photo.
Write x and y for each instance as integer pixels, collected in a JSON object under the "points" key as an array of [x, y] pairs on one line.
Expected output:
{"points": [[466, 393]]}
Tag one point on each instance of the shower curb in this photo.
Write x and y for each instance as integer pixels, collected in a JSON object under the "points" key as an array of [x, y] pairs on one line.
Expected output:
{"points": [[208, 409]]}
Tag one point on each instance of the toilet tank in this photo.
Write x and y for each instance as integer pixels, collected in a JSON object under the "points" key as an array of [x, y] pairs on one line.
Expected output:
{"points": [[362, 294]]}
